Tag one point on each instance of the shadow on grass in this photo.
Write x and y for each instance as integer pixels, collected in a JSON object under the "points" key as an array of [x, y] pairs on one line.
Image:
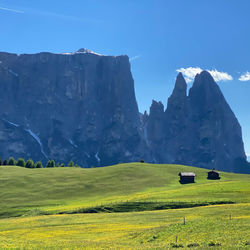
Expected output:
{"points": [[142, 206]]}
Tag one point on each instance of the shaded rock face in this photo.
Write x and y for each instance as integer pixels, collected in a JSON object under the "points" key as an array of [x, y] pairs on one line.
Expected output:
{"points": [[199, 129], [78, 106], [218, 133], [81, 106]]}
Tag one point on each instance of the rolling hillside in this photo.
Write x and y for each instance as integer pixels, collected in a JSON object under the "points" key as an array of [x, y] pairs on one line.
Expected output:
{"points": [[39, 195]]}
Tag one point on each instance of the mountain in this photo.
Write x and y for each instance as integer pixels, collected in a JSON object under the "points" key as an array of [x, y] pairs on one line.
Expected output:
{"points": [[78, 106], [81, 106], [199, 129]]}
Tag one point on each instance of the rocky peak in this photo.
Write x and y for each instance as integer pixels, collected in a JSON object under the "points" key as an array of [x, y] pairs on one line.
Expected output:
{"points": [[177, 100], [86, 51], [216, 131], [198, 130], [155, 122], [156, 108], [180, 89], [144, 118], [205, 90], [83, 50]]}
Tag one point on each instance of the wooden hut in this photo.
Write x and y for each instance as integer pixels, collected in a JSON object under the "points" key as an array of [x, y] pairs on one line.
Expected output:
{"points": [[213, 175], [186, 177]]}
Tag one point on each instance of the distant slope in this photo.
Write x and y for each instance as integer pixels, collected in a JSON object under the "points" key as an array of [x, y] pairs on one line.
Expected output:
{"points": [[31, 191]]}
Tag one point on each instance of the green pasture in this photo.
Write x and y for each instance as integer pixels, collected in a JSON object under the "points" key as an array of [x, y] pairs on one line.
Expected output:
{"points": [[74, 208], [211, 227]]}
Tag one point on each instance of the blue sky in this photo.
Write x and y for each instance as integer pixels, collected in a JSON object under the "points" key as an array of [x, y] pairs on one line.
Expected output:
{"points": [[160, 37]]}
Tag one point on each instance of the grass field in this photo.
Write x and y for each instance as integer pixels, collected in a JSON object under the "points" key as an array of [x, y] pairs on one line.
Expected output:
{"points": [[27, 194]]}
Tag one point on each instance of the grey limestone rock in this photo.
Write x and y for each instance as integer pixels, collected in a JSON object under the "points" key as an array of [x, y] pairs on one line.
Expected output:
{"points": [[199, 129], [76, 106], [81, 106]]}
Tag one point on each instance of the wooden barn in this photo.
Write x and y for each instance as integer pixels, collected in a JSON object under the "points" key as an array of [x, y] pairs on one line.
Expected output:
{"points": [[213, 175], [186, 177]]}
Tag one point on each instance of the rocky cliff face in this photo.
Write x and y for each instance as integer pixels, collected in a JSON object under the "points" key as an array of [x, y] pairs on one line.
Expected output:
{"points": [[81, 106], [199, 129], [78, 106]]}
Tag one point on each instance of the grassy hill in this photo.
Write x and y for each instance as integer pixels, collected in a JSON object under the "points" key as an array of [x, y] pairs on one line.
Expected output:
{"points": [[30, 193]]}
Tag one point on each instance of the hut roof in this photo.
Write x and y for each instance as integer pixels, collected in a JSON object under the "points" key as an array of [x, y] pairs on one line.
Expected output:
{"points": [[186, 174], [213, 171]]}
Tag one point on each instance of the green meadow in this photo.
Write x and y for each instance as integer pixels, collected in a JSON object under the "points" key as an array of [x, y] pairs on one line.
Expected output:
{"points": [[135, 205]]}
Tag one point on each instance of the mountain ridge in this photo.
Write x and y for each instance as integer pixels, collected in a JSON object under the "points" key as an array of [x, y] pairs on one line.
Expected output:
{"points": [[81, 106]]}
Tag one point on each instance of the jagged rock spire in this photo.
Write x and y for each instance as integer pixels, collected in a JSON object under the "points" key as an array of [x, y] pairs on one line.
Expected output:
{"points": [[199, 129], [180, 89], [217, 132], [156, 108]]}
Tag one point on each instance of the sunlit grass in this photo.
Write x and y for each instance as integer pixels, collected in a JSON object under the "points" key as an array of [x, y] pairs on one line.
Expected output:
{"points": [[28, 193], [32, 191], [227, 225]]}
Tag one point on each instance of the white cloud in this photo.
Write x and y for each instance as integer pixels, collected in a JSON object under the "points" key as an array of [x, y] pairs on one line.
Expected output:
{"points": [[134, 58], [12, 10], [51, 14], [190, 73], [220, 76], [245, 77]]}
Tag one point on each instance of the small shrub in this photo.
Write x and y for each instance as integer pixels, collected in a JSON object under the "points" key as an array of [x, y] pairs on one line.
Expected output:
{"points": [[174, 245], [214, 244], [62, 165], [193, 245], [154, 237], [142, 161], [1, 162]]}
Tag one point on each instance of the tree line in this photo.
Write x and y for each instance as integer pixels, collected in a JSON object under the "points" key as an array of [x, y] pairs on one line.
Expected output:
{"points": [[31, 164]]}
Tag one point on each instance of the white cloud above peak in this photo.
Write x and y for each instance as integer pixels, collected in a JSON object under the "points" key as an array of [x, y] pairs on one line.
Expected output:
{"points": [[220, 76], [245, 77], [190, 73]]}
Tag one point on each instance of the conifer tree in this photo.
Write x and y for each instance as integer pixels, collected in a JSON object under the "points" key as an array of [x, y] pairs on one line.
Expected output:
{"points": [[71, 164], [52, 163], [48, 164], [38, 165], [20, 162], [29, 164], [11, 161]]}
